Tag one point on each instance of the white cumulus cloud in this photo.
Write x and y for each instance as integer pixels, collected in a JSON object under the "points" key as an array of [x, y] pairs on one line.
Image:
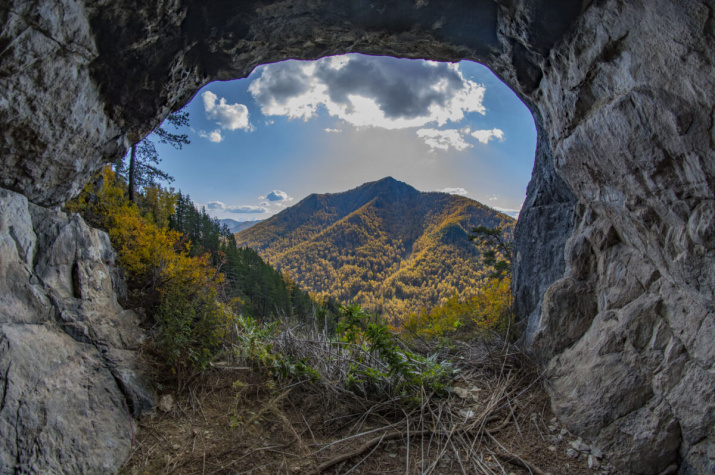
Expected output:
{"points": [[454, 191], [484, 136], [227, 116], [444, 139], [368, 91], [214, 136], [277, 195]]}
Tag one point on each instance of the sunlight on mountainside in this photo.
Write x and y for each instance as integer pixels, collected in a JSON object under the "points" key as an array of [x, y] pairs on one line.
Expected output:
{"points": [[383, 245]]}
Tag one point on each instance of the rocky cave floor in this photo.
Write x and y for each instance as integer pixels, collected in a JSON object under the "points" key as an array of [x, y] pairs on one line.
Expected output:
{"points": [[238, 422]]}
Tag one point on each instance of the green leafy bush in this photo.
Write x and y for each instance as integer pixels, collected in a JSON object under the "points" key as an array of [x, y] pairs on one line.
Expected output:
{"points": [[255, 346], [193, 328], [383, 367]]}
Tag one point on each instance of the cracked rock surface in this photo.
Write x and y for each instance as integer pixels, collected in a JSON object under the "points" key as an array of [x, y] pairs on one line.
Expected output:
{"points": [[70, 381], [627, 333]]}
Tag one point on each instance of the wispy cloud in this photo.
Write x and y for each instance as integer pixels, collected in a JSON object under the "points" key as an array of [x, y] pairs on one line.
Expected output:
{"points": [[514, 213], [227, 116], [215, 205], [454, 191], [238, 209], [246, 209], [214, 136], [333, 131], [368, 91]]}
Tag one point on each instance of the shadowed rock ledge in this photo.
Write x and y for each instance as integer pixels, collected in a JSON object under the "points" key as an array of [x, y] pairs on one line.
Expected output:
{"points": [[615, 244]]}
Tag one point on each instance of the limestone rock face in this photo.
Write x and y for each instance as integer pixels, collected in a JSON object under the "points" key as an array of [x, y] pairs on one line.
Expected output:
{"points": [[48, 101], [615, 246], [70, 382], [627, 331]]}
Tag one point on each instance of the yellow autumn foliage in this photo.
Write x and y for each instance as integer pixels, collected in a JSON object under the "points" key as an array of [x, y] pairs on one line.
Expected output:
{"points": [[158, 204], [390, 253], [179, 290], [154, 256], [486, 311]]}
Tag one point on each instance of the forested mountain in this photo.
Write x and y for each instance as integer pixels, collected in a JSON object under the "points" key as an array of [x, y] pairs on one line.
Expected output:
{"points": [[264, 291], [384, 245]]}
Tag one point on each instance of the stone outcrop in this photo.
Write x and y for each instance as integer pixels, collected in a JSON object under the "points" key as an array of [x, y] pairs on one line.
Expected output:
{"points": [[627, 330], [70, 379], [615, 243]]}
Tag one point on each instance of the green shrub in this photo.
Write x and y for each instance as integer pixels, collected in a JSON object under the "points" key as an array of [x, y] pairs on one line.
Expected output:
{"points": [[384, 368], [193, 328]]}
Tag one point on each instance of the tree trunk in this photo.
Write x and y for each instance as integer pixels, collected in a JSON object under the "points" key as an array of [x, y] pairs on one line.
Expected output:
{"points": [[132, 172]]}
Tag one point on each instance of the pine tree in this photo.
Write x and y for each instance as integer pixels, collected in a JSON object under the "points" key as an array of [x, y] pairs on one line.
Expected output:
{"points": [[144, 158], [496, 250]]}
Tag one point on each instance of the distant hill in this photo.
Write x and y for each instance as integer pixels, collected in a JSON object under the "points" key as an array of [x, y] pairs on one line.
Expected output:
{"points": [[384, 245], [236, 226]]}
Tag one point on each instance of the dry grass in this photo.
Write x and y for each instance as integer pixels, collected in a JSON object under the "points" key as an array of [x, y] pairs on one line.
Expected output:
{"points": [[240, 421]]}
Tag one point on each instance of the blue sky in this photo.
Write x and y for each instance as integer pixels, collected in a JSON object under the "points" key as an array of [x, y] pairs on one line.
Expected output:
{"points": [[299, 127]]}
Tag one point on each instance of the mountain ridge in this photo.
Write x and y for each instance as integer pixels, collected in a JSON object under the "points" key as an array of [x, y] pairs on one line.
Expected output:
{"points": [[383, 244]]}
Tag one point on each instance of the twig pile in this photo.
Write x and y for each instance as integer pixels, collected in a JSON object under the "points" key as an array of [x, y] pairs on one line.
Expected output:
{"points": [[460, 430]]}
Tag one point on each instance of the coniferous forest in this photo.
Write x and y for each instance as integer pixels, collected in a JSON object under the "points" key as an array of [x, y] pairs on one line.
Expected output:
{"points": [[264, 291]]}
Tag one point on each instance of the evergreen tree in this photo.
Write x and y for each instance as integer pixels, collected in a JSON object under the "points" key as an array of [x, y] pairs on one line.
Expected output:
{"points": [[496, 250], [144, 158], [265, 292]]}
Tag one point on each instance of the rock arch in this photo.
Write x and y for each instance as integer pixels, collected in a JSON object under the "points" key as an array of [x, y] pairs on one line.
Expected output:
{"points": [[615, 243]]}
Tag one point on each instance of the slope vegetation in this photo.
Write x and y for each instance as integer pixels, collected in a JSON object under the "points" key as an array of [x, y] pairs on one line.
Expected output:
{"points": [[383, 245]]}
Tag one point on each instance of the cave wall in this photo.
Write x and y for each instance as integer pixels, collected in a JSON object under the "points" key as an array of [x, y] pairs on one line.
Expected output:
{"points": [[70, 377], [628, 330], [615, 243]]}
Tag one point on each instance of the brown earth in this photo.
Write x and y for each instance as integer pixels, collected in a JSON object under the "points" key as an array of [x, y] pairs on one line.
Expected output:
{"points": [[238, 421]]}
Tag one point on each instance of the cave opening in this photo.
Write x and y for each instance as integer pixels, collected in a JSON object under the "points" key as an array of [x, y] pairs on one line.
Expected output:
{"points": [[329, 125], [292, 129]]}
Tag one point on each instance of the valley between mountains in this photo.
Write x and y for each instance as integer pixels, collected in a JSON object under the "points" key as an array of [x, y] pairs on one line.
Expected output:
{"points": [[383, 245]]}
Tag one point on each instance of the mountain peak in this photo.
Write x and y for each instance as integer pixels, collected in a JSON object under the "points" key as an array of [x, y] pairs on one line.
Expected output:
{"points": [[383, 244], [390, 185], [388, 181]]}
